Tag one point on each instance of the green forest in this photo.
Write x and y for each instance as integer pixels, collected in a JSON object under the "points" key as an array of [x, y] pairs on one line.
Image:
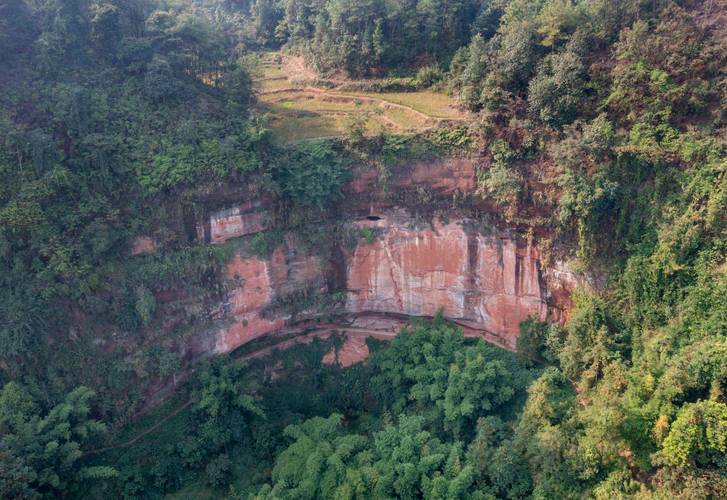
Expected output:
{"points": [[601, 130]]}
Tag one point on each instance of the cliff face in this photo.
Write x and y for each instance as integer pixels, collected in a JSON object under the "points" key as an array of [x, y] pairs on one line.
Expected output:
{"points": [[255, 284], [486, 279], [490, 283], [485, 282]]}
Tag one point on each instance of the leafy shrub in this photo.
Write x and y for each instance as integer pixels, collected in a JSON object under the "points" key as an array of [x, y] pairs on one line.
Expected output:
{"points": [[312, 174], [698, 436], [428, 76], [557, 90], [368, 235], [159, 81], [145, 304], [217, 471], [263, 244], [501, 182]]}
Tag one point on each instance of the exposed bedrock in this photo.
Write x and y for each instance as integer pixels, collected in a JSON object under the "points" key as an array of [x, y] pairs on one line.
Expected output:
{"points": [[489, 282], [398, 262], [486, 282]]}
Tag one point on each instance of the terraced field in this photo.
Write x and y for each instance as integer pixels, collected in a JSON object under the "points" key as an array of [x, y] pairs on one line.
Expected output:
{"points": [[297, 109]]}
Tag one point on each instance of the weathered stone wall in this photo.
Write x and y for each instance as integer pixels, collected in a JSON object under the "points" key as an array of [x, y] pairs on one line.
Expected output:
{"points": [[490, 282], [484, 278], [487, 282]]}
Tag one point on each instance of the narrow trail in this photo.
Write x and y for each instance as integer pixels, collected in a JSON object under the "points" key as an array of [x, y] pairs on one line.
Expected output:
{"points": [[149, 430], [325, 332], [289, 91], [308, 334], [318, 331]]}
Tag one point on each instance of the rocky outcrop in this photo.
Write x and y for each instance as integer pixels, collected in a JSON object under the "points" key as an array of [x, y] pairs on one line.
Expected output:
{"points": [[444, 176], [406, 261], [255, 284], [485, 282], [241, 220], [143, 245], [490, 282], [246, 302]]}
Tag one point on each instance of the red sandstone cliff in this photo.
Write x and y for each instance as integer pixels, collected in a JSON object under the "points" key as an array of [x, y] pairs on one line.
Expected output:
{"points": [[488, 281], [492, 283]]}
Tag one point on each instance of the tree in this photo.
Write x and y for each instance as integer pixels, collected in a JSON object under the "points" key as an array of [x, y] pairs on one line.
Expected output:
{"points": [[40, 451], [469, 66], [501, 181], [145, 304], [226, 402], [531, 341], [238, 90], [105, 28], [477, 385], [500, 465], [593, 338], [416, 364], [451, 383], [159, 82], [319, 463], [411, 464], [556, 92], [218, 470], [312, 174], [545, 435], [698, 436], [266, 15]]}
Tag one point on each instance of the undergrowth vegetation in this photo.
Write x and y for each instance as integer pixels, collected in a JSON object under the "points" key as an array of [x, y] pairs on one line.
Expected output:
{"points": [[597, 124], [417, 420]]}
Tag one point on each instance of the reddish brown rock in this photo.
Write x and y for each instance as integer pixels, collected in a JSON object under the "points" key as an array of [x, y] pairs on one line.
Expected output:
{"points": [[354, 350], [246, 302], [255, 284], [142, 245], [291, 269], [486, 282], [447, 175], [443, 175], [237, 221]]}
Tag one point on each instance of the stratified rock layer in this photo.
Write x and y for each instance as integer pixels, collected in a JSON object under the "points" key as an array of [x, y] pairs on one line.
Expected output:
{"points": [[246, 303], [484, 282], [487, 282], [255, 284], [486, 279], [237, 221]]}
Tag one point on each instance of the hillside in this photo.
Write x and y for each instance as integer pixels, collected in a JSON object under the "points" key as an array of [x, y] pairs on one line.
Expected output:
{"points": [[298, 104], [276, 249]]}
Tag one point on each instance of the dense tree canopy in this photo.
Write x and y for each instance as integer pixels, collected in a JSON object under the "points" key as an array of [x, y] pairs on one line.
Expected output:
{"points": [[438, 383], [602, 125], [40, 452]]}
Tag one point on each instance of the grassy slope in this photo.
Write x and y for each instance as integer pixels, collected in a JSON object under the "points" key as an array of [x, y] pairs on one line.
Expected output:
{"points": [[296, 114]]}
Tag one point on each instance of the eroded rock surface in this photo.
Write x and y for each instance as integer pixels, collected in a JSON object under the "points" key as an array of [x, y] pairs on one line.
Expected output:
{"points": [[492, 283], [255, 284], [143, 245], [241, 220], [486, 282], [405, 263]]}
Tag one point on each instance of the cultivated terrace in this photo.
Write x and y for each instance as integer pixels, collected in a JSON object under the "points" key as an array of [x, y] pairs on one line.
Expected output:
{"points": [[363, 249]]}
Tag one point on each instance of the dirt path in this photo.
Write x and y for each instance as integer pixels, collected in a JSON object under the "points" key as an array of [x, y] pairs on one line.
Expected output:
{"points": [[296, 68], [151, 429], [355, 338], [325, 332], [302, 105]]}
